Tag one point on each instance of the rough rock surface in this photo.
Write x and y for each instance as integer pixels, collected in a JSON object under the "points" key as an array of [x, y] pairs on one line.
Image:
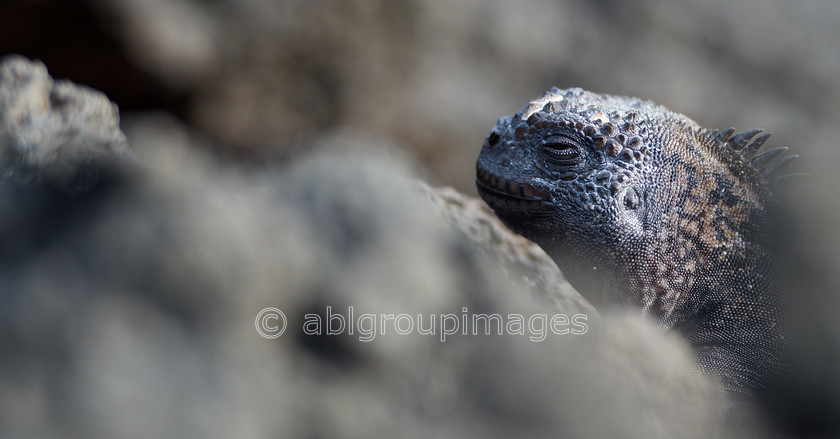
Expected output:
{"points": [[134, 316], [522, 259], [54, 131]]}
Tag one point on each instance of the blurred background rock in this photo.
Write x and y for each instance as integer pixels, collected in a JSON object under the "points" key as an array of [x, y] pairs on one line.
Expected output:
{"points": [[259, 77], [263, 80]]}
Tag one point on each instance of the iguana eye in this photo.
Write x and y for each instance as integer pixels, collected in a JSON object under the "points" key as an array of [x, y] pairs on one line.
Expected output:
{"points": [[561, 150]]}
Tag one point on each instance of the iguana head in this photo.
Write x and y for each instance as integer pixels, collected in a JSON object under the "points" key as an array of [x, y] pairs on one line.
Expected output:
{"points": [[630, 199]]}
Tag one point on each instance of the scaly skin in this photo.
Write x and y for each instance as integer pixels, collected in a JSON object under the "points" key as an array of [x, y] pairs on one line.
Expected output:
{"points": [[642, 208]]}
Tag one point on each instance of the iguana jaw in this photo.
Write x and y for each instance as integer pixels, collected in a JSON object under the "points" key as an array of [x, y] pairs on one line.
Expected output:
{"points": [[508, 194]]}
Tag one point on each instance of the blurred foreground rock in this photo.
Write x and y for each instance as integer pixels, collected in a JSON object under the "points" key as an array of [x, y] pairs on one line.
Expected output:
{"points": [[129, 307], [525, 262]]}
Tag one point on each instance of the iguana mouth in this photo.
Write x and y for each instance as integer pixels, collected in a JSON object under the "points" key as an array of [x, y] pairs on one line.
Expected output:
{"points": [[509, 194]]}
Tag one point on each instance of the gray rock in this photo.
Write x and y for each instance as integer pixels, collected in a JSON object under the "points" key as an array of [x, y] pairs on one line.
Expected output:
{"points": [[523, 261], [435, 75], [135, 313], [54, 132]]}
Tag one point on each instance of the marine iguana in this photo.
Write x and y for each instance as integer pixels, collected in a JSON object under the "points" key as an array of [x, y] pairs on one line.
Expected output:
{"points": [[641, 207]]}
